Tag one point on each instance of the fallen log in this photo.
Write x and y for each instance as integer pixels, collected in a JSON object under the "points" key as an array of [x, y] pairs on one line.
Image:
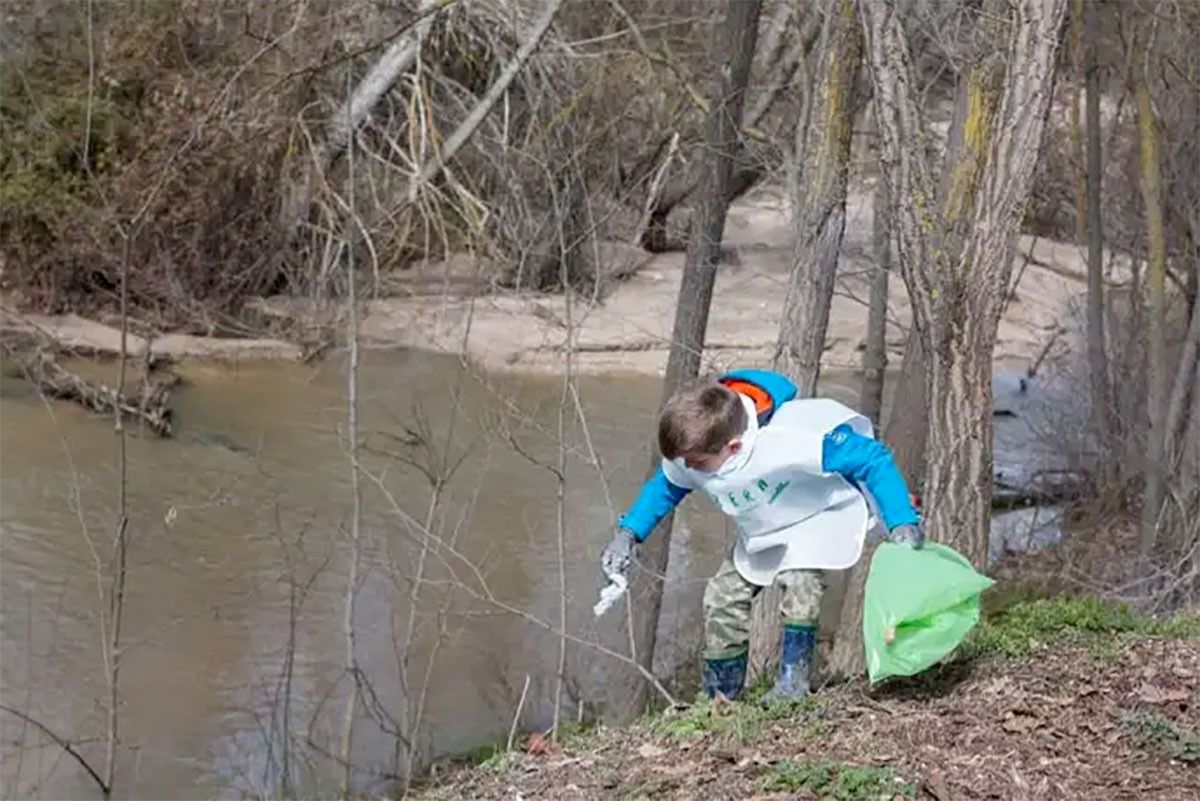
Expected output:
{"points": [[150, 405]]}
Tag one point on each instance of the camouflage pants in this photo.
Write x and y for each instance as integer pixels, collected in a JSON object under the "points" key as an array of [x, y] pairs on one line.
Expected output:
{"points": [[727, 601]]}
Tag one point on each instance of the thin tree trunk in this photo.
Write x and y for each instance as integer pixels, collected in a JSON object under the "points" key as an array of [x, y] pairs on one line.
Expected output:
{"points": [[1097, 349], [1151, 183], [870, 402], [735, 41], [1177, 406], [351, 602], [116, 610], [821, 218]]}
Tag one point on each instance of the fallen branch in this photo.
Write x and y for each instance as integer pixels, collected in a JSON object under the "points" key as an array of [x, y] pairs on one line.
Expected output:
{"points": [[151, 405]]}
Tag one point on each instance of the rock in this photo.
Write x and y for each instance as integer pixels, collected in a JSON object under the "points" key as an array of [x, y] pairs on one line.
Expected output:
{"points": [[1024, 530], [619, 260]]}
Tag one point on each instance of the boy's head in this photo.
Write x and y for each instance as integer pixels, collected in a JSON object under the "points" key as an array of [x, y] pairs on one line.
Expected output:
{"points": [[702, 425]]}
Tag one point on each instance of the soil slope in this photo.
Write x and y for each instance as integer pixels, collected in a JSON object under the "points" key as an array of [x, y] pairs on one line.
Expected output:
{"points": [[1115, 719]]}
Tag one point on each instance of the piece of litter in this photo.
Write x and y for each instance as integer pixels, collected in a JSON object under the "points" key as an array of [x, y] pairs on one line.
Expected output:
{"points": [[616, 586]]}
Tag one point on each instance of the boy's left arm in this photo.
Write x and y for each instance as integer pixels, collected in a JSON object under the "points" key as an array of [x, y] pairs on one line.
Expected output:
{"points": [[868, 462]]}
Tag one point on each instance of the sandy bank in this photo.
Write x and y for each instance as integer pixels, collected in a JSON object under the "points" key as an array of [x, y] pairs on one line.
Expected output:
{"points": [[629, 329]]}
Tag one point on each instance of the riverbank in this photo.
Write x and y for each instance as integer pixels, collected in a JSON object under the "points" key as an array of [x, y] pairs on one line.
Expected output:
{"points": [[439, 308], [1066, 699]]}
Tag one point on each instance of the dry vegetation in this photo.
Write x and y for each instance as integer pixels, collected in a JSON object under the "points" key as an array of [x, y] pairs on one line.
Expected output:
{"points": [[1050, 699]]}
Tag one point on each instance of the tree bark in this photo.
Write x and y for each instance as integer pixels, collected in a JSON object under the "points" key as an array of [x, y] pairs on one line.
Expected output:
{"points": [[735, 39], [957, 267], [870, 401], [906, 429], [821, 217], [1177, 406], [1097, 350], [1156, 308]]}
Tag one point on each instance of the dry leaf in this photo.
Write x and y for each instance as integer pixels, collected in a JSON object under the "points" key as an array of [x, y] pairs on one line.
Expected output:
{"points": [[719, 704], [935, 784], [537, 745], [650, 751], [1152, 694], [1020, 723]]}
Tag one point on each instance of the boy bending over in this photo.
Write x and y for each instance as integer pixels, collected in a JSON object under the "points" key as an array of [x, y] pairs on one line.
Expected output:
{"points": [[802, 480]]}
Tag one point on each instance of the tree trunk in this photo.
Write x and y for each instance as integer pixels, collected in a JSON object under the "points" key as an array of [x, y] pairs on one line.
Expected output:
{"points": [[870, 401], [957, 267], [735, 40], [820, 224], [958, 485], [749, 170], [906, 429], [821, 216], [1156, 308], [1177, 406], [1096, 345]]}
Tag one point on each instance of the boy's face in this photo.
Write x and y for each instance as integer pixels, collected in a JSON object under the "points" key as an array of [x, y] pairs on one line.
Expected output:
{"points": [[711, 462]]}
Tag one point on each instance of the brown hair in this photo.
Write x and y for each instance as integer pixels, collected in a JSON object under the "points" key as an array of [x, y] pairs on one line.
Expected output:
{"points": [[702, 419]]}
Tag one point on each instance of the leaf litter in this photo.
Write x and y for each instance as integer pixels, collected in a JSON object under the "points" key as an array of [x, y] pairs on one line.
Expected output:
{"points": [[1059, 725]]}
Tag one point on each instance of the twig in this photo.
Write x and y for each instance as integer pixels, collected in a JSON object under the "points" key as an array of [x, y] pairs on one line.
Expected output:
{"points": [[61, 743], [512, 731], [485, 594], [652, 194]]}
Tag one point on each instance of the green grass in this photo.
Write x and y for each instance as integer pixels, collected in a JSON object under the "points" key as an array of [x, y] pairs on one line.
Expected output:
{"points": [[1156, 733], [831, 780], [1027, 626], [742, 722], [571, 733]]}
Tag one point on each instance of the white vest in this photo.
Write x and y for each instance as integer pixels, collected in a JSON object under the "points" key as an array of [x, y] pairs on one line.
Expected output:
{"points": [[789, 514]]}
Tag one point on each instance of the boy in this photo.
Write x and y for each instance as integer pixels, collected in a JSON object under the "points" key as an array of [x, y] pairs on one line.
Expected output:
{"points": [[799, 478]]}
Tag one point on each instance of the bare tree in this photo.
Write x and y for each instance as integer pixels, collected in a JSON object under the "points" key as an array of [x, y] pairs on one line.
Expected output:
{"points": [[735, 40], [821, 210], [1097, 349], [1156, 306], [957, 272], [348, 623]]}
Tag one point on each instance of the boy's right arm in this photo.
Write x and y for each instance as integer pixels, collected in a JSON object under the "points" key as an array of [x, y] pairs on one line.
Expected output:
{"points": [[659, 496]]}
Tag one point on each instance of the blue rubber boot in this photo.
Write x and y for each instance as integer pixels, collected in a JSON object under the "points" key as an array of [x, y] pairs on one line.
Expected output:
{"points": [[726, 676], [795, 664]]}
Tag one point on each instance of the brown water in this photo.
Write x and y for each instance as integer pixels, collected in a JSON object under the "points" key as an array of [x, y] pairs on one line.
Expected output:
{"points": [[244, 517]]}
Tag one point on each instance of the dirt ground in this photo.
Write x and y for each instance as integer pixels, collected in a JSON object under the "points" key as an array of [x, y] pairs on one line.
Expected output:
{"points": [[1061, 724]]}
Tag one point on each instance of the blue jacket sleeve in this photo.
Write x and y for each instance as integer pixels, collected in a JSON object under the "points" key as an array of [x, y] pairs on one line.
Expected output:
{"points": [[658, 498], [868, 462]]}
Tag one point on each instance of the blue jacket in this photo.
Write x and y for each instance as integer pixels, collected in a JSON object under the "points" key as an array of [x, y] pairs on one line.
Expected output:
{"points": [[863, 461]]}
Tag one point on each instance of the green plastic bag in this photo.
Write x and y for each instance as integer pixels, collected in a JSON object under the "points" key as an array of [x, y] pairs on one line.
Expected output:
{"points": [[917, 606]]}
